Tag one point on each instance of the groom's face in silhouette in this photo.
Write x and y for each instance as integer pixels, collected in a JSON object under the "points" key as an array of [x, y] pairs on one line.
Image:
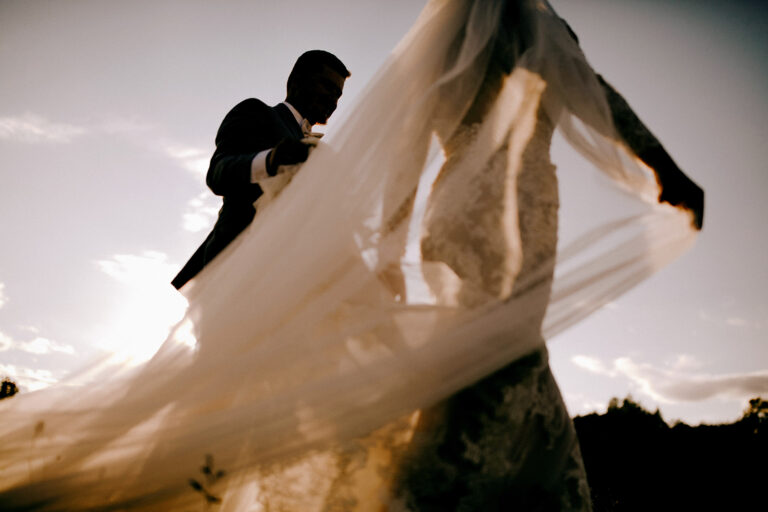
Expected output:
{"points": [[315, 94]]}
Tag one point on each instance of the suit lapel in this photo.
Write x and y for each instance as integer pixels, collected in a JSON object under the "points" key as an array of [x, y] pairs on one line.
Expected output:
{"points": [[288, 120]]}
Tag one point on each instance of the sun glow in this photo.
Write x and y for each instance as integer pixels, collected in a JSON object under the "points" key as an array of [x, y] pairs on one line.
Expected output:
{"points": [[149, 307]]}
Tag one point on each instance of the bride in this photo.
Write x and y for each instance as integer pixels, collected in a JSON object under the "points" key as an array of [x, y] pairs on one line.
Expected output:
{"points": [[389, 352], [508, 439]]}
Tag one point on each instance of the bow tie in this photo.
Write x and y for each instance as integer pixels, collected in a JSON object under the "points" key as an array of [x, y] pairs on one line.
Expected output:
{"points": [[306, 128]]}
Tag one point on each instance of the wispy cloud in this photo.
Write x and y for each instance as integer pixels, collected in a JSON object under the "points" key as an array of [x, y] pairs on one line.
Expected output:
{"points": [[685, 362], [27, 378], [753, 321], [579, 404], [201, 212], [677, 382], [37, 346], [3, 296], [138, 269], [191, 158], [6, 342], [672, 386], [32, 128], [41, 345], [592, 365]]}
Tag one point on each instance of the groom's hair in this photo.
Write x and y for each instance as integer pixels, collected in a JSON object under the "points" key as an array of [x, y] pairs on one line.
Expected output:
{"points": [[312, 61]]}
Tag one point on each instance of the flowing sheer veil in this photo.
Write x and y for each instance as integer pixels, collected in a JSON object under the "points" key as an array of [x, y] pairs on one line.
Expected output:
{"points": [[296, 337]]}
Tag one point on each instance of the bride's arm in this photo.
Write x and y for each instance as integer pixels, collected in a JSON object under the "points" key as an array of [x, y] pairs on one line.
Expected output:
{"points": [[676, 188]]}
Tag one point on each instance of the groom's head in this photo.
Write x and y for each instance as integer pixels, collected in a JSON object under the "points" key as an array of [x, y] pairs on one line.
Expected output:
{"points": [[315, 85]]}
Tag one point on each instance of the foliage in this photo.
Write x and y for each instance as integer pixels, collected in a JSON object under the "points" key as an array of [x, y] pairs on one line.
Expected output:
{"points": [[757, 410], [635, 461], [8, 388], [211, 476]]}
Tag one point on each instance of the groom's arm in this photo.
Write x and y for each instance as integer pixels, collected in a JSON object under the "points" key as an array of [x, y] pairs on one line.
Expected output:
{"points": [[245, 132]]}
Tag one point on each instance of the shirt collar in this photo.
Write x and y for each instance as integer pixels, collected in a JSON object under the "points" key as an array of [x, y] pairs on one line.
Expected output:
{"points": [[299, 118]]}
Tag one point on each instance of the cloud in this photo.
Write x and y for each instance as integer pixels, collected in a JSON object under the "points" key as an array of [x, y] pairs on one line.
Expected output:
{"points": [[138, 270], [579, 404], [41, 345], [753, 320], [592, 365], [6, 342], [37, 346], [27, 378], [31, 128], [193, 159], [201, 213], [685, 362], [678, 382], [667, 385]]}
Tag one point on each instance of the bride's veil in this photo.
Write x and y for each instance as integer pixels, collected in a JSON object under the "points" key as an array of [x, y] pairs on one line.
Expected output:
{"points": [[320, 322]]}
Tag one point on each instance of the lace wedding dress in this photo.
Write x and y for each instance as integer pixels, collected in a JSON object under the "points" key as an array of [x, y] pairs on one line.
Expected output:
{"points": [[374, 340], [506, 441]]}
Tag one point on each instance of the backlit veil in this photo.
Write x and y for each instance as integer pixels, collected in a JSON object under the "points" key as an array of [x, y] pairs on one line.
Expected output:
{"points": [[298, 338]]}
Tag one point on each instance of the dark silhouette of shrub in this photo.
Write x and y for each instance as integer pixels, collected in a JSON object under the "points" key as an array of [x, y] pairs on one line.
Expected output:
{"points": [[635, 461], [211, 477], [8, 388]]}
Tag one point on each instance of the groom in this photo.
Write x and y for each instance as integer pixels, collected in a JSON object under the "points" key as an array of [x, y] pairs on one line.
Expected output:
{"points": [[254, 140]]}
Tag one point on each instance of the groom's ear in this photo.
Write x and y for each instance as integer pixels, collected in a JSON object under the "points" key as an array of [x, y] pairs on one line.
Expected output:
{"points": [[290, 86], [294, 88]]}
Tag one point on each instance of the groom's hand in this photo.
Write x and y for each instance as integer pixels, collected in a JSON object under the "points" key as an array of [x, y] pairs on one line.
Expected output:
{"points": [[287, 152]]}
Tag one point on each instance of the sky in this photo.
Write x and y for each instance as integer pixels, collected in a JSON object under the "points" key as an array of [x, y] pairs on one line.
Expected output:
{"points": [[108, 111]]}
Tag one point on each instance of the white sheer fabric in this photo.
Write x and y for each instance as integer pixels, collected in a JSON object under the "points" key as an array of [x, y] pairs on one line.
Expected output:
{"points": [[321, 323]]}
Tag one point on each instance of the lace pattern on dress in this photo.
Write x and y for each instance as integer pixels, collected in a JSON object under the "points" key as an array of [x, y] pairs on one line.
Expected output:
{"points": [[507, 439]]}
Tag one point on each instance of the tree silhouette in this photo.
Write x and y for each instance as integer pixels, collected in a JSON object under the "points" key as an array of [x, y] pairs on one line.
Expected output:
{"points": [[8, 388], [635, 461], [758, 408]]}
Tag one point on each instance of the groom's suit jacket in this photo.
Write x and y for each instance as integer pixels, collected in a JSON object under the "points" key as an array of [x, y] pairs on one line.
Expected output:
{"points": [[250, 127]]}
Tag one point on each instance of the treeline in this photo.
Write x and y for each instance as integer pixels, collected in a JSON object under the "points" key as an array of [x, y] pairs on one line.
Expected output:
{"points": [[635, 461]]}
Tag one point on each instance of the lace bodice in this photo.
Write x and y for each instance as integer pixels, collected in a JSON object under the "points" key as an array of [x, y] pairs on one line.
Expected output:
{"points": [[468, 221], [483, 446]]}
